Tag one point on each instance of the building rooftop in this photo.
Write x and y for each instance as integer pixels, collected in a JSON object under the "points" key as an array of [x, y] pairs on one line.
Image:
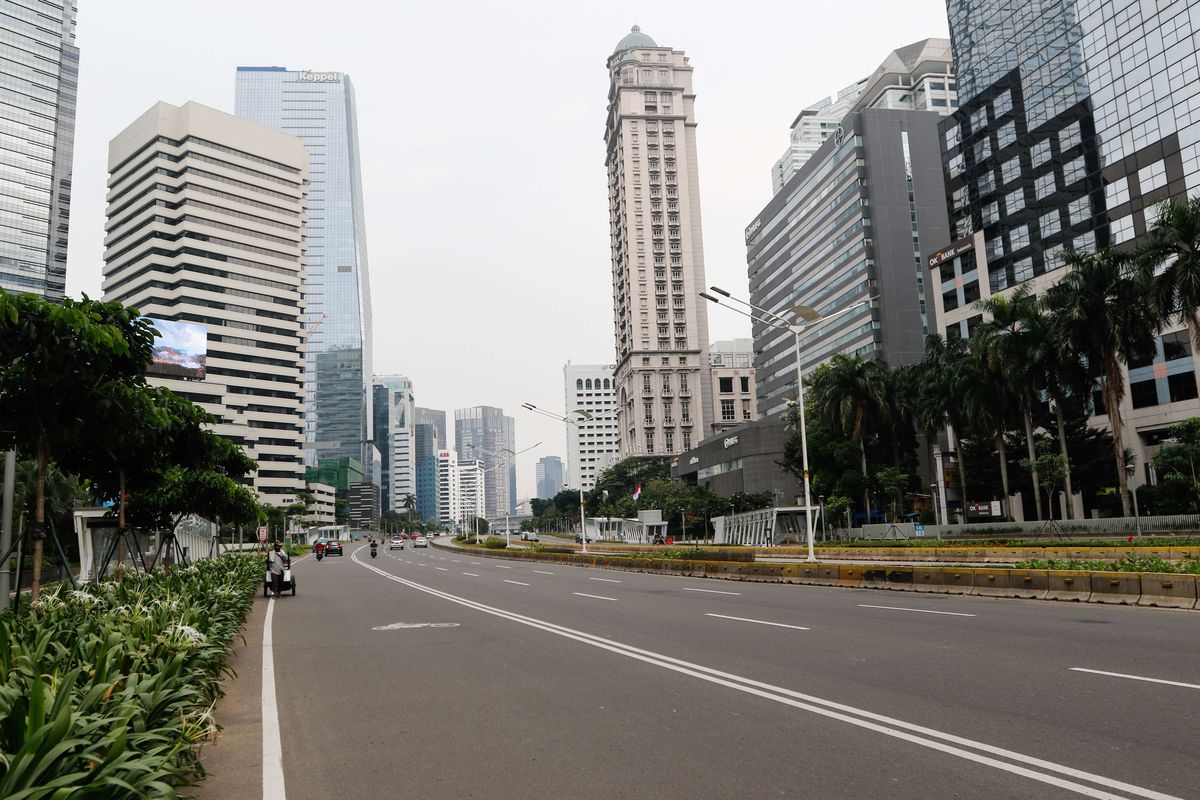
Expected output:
{"points": [[635, 38]]}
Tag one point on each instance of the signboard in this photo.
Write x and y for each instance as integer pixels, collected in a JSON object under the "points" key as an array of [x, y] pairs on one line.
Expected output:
{"points": [[919, 528], [752, 229], [262, 534], [179, 350], [319, 77], [950, 251], [730, 441]]}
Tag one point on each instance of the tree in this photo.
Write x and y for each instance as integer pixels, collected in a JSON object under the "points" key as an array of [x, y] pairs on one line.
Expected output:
{"points": [[409, 504], [849, 393], [1176, 461], [947, 372], [1173, 251], [892, 482], [1101, 305], [54, 357], [1052, 469], [1007, 350], [988, 403]]}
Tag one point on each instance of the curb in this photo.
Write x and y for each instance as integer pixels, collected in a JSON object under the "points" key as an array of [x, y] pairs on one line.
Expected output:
{"points": [[1162, 590]]}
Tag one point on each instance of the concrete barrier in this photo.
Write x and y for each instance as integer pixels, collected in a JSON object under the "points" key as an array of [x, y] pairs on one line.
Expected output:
{"points": [[1065, 584], [850, 576], [1122, 588], [818, 574], [1031, 584], [928, 579], [991, 582], [1169, 590], [899, 579], [958, 580]]}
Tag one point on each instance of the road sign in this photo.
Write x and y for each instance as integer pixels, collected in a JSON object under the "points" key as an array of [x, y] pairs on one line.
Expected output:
{"points": [[262, 534], [919, 528]]}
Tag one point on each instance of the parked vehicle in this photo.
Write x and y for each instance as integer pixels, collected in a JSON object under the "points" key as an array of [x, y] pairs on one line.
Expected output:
{"points": [[579, 539], [529, 536]]}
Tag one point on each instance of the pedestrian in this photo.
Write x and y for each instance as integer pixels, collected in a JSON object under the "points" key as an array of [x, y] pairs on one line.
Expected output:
{"points": [[277, 562]]}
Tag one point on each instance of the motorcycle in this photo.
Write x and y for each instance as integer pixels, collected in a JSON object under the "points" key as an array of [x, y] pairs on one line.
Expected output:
{"points": [[373, 550], [320, 554]]}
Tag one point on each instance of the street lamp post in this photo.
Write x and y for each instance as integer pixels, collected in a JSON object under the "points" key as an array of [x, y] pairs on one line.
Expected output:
{"points": [[808, 317], [583, 416], [506, 456]]}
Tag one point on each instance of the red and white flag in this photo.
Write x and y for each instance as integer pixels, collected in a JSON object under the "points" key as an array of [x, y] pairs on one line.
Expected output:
{"points": [[637, 492]]}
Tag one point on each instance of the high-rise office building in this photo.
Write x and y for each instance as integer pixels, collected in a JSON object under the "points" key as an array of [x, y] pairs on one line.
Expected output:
{"points": [[594, 442], [1075, 119], [470, 490], [319, 108], [429, 438], [487, 434], [852, 223], [448, 488], [549, 476], [205, 214], [395, 417], [660, 324], [811, 127], [731, 366], [40, 78]]}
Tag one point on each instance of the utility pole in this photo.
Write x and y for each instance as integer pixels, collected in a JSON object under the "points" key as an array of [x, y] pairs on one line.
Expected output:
{"points": [[6, 513]]}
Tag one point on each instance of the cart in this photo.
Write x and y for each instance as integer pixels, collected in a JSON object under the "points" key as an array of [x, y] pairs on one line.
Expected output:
{"points": [[288, 583]]}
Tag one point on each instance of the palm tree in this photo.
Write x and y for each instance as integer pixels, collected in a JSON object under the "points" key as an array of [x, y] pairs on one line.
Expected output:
{"points": [[849, 394], [946, 375], [1101, 305], [1006, 348], [409, 504], [989, 404], [1173, 247]]}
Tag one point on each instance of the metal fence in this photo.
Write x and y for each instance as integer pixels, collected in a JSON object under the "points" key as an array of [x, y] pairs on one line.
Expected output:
{"points": [[1173, 524]]}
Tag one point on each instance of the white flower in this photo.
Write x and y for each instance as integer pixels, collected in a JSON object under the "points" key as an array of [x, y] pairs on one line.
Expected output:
{"points": [[84, 597]]}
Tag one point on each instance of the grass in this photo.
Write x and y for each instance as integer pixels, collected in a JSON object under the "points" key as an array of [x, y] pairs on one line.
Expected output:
{"points": [[1145, 541], [1128, 564], [109, 689]]}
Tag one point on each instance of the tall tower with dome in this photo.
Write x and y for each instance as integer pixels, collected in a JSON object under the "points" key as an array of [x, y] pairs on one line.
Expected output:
{"points": [[664, 403]]}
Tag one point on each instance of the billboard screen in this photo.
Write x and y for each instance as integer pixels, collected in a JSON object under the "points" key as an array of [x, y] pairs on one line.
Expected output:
{"points": [[180, 350]]}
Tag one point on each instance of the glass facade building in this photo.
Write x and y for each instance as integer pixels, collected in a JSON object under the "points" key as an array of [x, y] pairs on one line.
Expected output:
{"points": [[395, 413], [429, 438], [39, 77], [484, 433], [319, 108]]}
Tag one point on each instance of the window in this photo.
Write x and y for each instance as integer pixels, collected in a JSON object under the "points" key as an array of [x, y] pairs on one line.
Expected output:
{"points": [[1068, 137], [1122, 229], [1182, 386], [1117, 192], [1001, 104], [955, 165], [1074, 171], [1014, 202], [1176, 345], [1040, 152], [1079, 211], [950, 300], [745, 385], [1010, 170], [687, 440], [1006, 136], [726, 385], [579, 385], [995, 248], [1023, 270], [649, 441], [990, 213], [1153, 176], [1051, 223], [670, 441], [986, 183], [746, 409], [979, 119], [1043, 186], [1018, 237], [970, 292], [1144, 393], [727, 414], [983, 149]]}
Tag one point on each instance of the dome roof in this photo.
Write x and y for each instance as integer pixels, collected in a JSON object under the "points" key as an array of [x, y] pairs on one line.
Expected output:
{"points": [[635, 38]]}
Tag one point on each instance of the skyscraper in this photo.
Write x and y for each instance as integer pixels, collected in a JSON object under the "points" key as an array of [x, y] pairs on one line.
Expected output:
{"points": [[40, 76], [811, 127], [470, 491], [429, 438], [659, 322], [395, 416], [449, 499], [487, 434], [319, 108], [594, 443], [549, 476], [205, 216]]}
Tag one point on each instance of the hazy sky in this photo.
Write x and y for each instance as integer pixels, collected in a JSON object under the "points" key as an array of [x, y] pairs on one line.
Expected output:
{"points": [[481, 128]]}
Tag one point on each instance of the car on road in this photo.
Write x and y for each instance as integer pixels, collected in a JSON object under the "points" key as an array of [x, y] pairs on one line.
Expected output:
{"points": [[333, 547], [396, 544], [420, 541], [529, 536], [579, 539]]}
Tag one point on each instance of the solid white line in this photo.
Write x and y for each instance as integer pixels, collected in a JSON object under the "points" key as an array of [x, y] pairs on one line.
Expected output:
{"points": [[595, 596], [501, 566], [606, 580], [900, 729], [1136, 678], [472, 574], [272, 746], [710, 591], [443, 569], [476, 564], [760, 622], [456, 561], [543, 572], [420, 563], [518, 583], [918, 610]]}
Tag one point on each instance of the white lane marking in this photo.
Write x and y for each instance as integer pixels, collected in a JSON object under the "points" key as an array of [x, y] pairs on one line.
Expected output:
{"points": [[518, 583], [476, 564], [1136, 677], [472, 574], [919, 610], [606, 580], [595, 596], [443, 569], [456, 561], [501, 566], [900, 729], [543, 572], [272, 745], [420, 563], [760, 622], [710, 591]]}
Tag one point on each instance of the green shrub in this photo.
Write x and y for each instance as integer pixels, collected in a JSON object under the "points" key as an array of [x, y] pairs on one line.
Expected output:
{"points": [[495, 543], [1126, 564], [108, 689]]}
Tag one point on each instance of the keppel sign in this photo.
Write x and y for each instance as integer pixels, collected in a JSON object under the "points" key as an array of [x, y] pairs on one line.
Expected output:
{"points": [[319, 77]]}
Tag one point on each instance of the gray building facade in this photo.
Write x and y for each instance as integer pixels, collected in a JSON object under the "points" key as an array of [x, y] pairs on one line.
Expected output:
{"points": [[743, 459], [851, 224], [39, 80], [429, 438], [484, 433], [394, 413], [319, 108], [550, 474]]}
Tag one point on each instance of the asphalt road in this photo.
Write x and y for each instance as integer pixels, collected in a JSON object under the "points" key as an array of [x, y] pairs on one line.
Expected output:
{"points": [[528, 680]]}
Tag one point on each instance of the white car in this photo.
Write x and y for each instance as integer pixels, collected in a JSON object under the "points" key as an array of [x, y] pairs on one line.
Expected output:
{"points": [[421, 541], [396, 544], [529, 536]]}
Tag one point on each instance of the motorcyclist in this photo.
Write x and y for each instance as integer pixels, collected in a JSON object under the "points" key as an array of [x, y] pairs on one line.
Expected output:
{"points": [[319, 548], [374, 544]]}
